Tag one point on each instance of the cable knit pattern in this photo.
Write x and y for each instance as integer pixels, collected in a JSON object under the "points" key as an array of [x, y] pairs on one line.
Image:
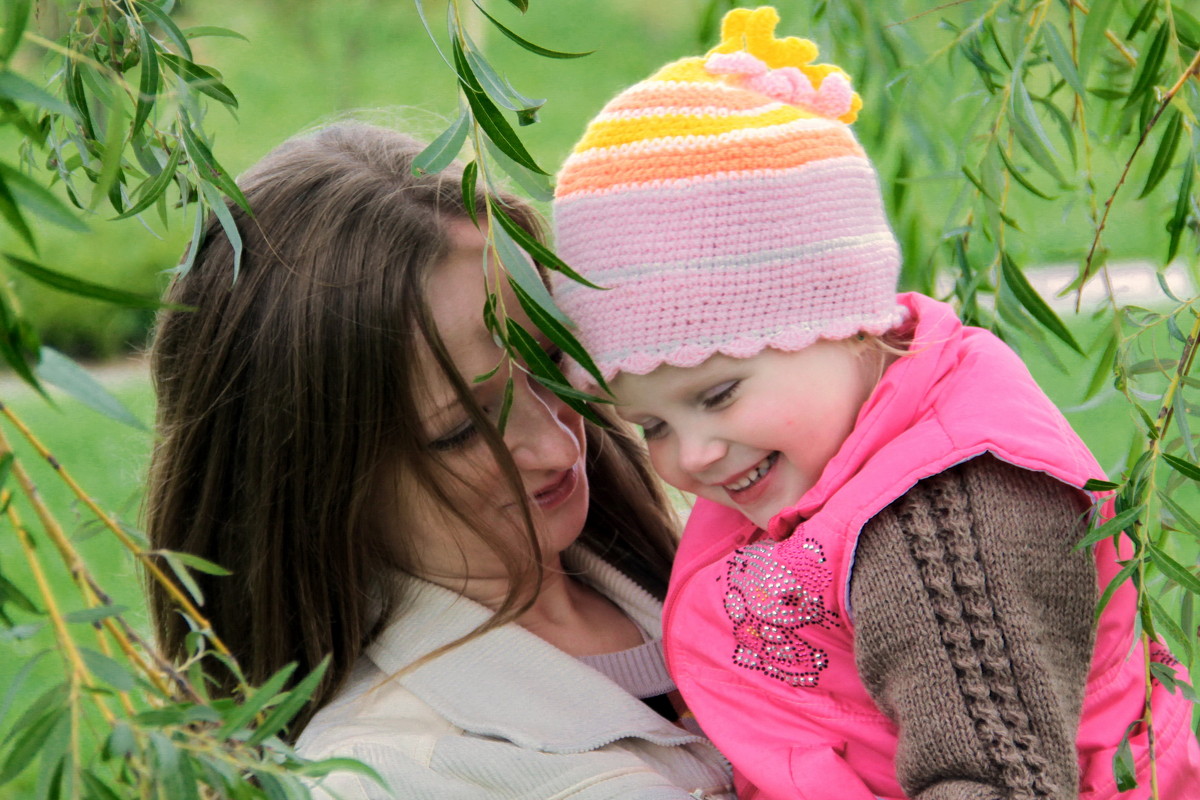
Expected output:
{"points": [[988, 548], [726, 206]]}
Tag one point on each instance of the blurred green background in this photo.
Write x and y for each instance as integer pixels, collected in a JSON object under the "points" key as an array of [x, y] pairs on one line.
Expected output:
{"points": [[308, 62]]}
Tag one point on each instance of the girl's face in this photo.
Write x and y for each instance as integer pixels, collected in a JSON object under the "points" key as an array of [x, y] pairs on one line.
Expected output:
{"points": [[544, 436], [753, 434]]}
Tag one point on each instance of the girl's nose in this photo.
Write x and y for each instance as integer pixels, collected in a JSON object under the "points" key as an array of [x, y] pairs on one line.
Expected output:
{"points": [[699, 452], [542, 432]]}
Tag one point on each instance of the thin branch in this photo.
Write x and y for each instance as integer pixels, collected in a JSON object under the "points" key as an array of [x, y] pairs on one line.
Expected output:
{"points": [[1192, 69], [71, 556], [79, 672]]}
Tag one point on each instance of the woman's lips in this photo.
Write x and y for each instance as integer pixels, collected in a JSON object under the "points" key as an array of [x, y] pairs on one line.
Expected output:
{"points": [[557, 492]]}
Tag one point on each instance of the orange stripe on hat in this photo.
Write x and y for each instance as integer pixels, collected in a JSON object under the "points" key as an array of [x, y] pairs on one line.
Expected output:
{"points": [[597, 170]]}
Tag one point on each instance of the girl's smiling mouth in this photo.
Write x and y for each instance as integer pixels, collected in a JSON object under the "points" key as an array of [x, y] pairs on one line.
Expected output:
{"points": [[740, 491]]}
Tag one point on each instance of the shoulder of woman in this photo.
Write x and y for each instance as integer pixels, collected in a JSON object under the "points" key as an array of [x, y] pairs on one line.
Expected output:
{"points": [[417, 754]]}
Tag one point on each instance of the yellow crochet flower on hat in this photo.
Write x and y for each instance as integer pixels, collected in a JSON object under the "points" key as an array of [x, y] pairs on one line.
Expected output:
{"points": [[780, 68]]}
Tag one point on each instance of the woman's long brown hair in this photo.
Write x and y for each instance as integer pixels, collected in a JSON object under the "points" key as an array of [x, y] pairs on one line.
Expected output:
{"points": [[289, 389]]}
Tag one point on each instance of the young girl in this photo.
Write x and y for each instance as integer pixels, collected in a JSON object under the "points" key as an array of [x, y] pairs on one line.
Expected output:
{"points": [[877, 594]]}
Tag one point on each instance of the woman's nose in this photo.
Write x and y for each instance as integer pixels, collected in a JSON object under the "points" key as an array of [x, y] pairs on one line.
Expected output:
{"points": [[542, 432]]}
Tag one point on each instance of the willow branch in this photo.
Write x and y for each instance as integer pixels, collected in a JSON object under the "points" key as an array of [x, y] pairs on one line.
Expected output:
{"points": [[71, 556], [1192, 69], [79, 672]]}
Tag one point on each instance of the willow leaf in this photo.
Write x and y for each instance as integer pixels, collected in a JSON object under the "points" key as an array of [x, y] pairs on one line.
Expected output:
{"points": [[1103, 372], [16, 17], [1142, 20], [1029, 131], [32, 196], [1174, 570], [207, 167], [1034, 303], [1185, 427], [19, 90], [1178, 222], [296, 699], [536, 184], [443, 150], [200, 564], [203, 79], [1165, 622], [1061, 58], [107, 670], [506, 401], [501, 91], [1150, 65], [1015, 171], [525, 43], [521, 268], [1184, 468], [1187, 27], [546, 371], [1094, 28], [540, 253], [561, 337], [11, 211], [58, 370], [149, 82], [111, 157], [228, 224], [169, 27], [1111, 528], [242, 715], [197, 31], [1116, 583], [90, 616], [77, 97], [153, 188], [488, 116], [78, 286], [470, 177]]}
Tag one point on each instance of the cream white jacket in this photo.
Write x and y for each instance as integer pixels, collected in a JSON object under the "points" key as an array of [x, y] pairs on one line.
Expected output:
{"points": [[505, 715]]}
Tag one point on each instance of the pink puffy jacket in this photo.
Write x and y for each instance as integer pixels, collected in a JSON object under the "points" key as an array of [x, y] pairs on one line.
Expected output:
{"points": [[758, 633]]}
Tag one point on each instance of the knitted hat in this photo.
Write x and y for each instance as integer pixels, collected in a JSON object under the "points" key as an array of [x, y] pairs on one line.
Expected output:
{"points": [[726, 207]]}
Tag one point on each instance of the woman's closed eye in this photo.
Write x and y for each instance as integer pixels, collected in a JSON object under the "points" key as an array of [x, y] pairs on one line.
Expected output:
{"points": [[455, 439], [719, 395]]}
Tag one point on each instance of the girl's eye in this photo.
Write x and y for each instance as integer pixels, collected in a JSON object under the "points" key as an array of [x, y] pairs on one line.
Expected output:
{"points": [[455, 439], [653, 430], [719, 395]]}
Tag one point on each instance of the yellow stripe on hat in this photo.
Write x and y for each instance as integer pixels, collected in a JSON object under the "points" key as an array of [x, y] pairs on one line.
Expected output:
{"points": [[610, 133]]}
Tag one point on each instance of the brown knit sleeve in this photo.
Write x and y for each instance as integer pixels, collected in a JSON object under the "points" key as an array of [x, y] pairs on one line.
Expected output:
{"points": [[973, 618]]}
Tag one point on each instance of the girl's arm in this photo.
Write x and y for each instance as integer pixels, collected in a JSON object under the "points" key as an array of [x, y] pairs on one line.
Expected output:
{"points": [[973, 617]]}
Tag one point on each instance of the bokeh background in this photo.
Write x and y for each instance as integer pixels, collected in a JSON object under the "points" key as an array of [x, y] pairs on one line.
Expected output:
{"points": [[306, 62]]}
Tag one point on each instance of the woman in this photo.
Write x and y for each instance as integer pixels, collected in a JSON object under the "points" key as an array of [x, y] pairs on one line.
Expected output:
{"points": [[489, 601]]}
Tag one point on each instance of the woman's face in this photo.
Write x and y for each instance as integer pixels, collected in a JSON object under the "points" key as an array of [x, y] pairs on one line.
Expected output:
{"points": [[544, 436]]}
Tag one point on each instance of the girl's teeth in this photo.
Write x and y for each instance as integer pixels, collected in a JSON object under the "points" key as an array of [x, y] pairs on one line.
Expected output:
{"points": [[754, 476]]}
